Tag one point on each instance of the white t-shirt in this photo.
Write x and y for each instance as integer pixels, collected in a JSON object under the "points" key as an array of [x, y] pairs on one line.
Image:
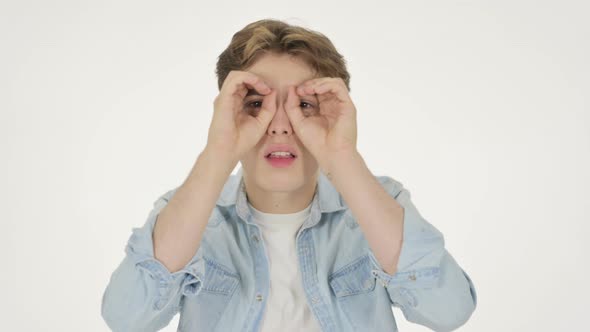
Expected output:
{"points": [[286, 307]]}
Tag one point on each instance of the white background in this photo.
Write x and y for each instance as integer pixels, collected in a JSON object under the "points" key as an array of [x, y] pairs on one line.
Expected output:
{"points": [[480, 108]]}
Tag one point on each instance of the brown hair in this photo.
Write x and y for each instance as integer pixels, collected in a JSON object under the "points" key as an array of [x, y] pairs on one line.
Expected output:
{"points": [[270, 35]]}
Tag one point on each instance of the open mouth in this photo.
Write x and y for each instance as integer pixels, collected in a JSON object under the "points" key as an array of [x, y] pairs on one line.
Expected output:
{"points": [[280, 155], [280, 159]]}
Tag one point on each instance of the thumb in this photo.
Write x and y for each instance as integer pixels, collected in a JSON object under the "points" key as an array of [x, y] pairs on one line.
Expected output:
{"points": [[268, 109], [293, 110]]}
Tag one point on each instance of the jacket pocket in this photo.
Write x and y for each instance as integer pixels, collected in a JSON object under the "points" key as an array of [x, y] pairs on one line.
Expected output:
{"points": [[354, 287], [218, 278], [354, 278], [205, 310]]}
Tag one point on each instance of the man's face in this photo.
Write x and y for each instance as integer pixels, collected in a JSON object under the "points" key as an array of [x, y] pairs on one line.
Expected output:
{"points": [[270, 174]]}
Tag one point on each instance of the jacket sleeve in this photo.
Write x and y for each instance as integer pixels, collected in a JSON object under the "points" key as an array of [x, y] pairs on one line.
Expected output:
{"points": [[142, 294], [429, 286]]}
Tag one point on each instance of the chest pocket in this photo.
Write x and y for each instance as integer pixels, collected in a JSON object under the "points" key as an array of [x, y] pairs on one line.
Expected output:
{"points": [[357, 293], [354, 278], [206, 309], [218, 278]]}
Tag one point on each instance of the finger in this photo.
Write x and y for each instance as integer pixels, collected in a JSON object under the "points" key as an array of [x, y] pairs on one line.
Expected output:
{"points": [[268, 109], [257, 83], [316, 80], [332, 86], [304, 88], [294, 112], [240, 81]]}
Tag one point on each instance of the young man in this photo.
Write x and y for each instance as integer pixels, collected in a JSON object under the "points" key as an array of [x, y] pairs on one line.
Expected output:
{"points": [[304, 237]]}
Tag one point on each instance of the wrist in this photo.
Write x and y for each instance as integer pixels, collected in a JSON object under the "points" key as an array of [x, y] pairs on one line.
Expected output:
{"points": [[221, 155], [334, 157], [329, 160], [220, 158]]}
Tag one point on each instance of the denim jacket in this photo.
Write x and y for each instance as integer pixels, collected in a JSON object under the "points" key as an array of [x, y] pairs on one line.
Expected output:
{"points": [[225, 285]]}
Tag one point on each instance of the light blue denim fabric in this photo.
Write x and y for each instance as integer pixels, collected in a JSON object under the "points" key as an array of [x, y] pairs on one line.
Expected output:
{"points": [[225, 285]]}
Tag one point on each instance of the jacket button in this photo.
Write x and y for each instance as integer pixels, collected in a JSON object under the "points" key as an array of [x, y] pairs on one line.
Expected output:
{"points": [[258, 297], [412, 277], [159, 304], [255, 238]]}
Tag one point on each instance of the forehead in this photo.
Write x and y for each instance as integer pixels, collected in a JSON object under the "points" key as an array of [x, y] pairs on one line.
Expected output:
{"points": [[281, 70]]}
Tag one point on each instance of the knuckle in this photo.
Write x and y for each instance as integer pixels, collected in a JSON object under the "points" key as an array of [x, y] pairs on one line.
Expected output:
{"points": [[240, 77], [232, 76], [340, 82]]}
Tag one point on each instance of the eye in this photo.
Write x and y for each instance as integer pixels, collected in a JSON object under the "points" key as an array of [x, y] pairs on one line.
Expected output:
{"points": [[253, 107], [304, 102], [251, 104], [307, 108]]}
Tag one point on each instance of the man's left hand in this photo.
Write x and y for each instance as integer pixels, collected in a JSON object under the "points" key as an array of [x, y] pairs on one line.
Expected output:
{"points": [[329, 127]]}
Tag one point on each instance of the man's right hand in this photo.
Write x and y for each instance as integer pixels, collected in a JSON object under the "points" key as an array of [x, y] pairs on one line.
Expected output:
{"points": [[234, 129]]}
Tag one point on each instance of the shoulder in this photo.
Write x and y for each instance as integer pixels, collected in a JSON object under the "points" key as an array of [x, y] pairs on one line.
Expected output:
{"points": [[391, 185]]}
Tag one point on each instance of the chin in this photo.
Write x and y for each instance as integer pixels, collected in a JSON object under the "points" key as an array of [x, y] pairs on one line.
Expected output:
{"points": [[269, 179], [277, 182]]}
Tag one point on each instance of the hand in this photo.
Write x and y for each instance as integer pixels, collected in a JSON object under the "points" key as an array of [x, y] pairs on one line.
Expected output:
{"points": [[234, 130], [332, 128]]}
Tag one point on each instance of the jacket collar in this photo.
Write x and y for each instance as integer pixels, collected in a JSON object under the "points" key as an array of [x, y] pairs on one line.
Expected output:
{"points": [[326, 198]]}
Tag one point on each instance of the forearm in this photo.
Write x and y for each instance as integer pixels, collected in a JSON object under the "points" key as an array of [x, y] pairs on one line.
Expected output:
{"points": [[181, 223], [378, 214]]}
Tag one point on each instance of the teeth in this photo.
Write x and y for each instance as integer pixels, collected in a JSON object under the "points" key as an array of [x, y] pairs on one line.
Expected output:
{"points": [[281, 154]]}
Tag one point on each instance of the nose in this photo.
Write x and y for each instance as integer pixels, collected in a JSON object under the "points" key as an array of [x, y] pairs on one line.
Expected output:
{"points": [[280, 124]]}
